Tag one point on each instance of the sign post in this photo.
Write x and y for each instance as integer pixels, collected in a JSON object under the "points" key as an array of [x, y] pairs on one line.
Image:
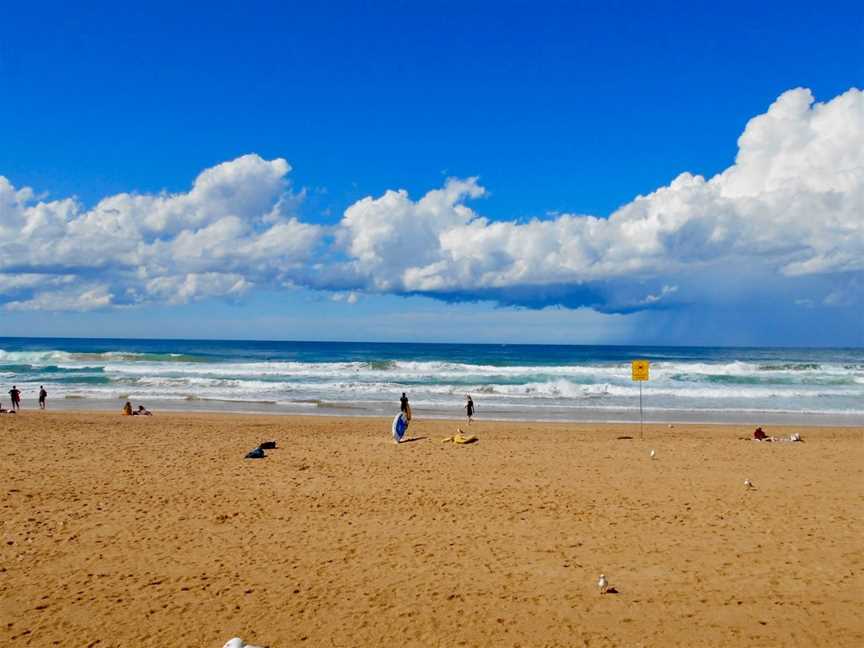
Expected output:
{"points": [[640, 375]]}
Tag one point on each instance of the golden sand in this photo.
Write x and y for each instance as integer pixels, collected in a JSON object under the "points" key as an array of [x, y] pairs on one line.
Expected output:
{"points": [[156, 532]]}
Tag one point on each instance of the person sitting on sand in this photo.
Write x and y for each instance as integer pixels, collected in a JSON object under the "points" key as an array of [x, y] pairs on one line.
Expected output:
{"points": [[759, 435], [127, 409], [141, 411]]}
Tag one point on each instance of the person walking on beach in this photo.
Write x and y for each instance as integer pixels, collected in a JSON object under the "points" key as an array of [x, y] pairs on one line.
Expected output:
{"points": [[404, 406], [42, 396], [469, 408], [15, 395]]}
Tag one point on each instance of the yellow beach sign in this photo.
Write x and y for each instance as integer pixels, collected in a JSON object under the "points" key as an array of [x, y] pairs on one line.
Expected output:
{"points": [[640, 369]]}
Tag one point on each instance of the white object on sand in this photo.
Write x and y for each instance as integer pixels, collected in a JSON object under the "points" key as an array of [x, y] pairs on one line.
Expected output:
{"points": [[237, 642], [671, 426], [748, 483], [653, 454], [603, 584]]}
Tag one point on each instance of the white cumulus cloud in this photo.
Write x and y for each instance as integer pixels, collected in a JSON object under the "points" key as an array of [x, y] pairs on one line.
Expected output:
{"points": [[785, 222], [791, 205], [232, 230]]}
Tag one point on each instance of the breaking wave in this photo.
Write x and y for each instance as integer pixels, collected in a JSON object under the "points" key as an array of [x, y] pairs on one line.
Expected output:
{"points": [[358, 376]]}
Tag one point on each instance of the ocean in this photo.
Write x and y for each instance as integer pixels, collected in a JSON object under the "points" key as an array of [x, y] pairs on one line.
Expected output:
{"points": [[533, 382]]}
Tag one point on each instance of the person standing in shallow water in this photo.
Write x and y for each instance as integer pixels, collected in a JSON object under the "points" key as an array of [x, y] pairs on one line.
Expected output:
{"points": [[469, 408], [15, 395], [42, 396]]}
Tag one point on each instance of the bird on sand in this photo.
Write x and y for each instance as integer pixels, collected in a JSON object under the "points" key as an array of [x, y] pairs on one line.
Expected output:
{"points": [[237, 642], [748, 484], [603, 584]]}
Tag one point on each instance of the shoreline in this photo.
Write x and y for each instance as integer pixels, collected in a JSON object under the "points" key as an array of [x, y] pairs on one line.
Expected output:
{"points": [[574, 416], [741, 430]]}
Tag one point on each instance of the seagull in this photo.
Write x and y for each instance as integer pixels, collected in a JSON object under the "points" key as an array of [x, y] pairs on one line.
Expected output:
{"points": [[748, 484], [237, 642], [603, 584], [653, 454]]}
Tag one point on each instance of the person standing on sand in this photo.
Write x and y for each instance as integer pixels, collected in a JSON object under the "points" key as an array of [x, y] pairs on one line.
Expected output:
{"points": [[15, 395], [404, 406], [42, 396], [469, 408]]}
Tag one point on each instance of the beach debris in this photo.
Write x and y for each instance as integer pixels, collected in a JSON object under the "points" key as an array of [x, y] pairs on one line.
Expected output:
{"points": [[237, 642], [653, 454], [603, 584], [748, 484], [256, 453], [671, 426], [268, 445]]}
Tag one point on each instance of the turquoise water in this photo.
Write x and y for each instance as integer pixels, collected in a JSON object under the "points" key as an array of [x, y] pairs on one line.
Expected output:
{"points": [[506, 381]]}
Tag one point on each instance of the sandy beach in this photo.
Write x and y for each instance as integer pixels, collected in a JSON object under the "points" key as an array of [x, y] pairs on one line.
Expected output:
{"points": [[156, 532]]}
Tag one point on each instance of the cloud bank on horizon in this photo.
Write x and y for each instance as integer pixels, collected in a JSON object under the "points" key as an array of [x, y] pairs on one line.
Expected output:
{"points": [[784, 223]]}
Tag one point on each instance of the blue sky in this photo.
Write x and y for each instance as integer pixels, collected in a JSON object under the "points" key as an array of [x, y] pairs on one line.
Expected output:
{"points": [[557, 108]]}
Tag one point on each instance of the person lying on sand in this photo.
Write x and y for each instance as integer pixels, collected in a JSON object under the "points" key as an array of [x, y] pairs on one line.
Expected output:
{"points": [[142, 412], [759, 435], [460, 438]]}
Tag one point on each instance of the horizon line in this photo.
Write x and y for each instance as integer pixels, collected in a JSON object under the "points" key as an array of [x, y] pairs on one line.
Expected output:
{"points": [[385, 342]]}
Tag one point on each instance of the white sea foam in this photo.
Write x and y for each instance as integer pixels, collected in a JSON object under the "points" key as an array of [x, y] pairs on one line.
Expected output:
{"points": [[441, 385]]}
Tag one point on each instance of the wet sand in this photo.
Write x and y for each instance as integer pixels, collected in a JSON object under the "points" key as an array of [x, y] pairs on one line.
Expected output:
{"points": [[156, 532]]}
